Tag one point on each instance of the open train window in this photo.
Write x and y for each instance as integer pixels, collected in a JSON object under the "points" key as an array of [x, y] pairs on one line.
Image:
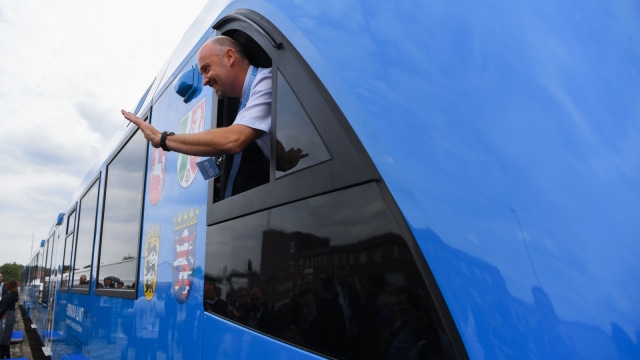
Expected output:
{"points": [[254, 160], [305, 131]]}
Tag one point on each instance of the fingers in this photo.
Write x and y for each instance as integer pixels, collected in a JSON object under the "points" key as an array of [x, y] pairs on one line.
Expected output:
{"points": [[296, 153], [150, 133], [131, 117]]}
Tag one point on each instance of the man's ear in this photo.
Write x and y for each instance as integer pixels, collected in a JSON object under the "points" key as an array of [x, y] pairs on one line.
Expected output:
{"points": [[229, 56]]}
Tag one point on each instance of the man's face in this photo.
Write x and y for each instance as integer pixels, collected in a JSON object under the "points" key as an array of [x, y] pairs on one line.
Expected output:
{"points": [[83, 279], [215, 71]]}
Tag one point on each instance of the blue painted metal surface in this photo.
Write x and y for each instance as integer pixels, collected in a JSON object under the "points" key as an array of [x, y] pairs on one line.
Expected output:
{"points": [[508, 134], [229, 337]]}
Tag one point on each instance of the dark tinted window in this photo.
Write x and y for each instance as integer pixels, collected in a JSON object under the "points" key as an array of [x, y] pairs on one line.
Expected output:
{"points": [[331, 273], [122, 217], [299, 145], [84, 240]]}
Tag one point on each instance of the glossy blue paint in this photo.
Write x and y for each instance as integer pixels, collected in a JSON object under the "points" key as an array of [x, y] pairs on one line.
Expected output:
{"points": [[508, 134], [226, 340]]}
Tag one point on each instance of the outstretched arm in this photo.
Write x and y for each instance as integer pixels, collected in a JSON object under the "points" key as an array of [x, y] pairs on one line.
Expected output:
{"points": [[150, 133], [213, 142]]}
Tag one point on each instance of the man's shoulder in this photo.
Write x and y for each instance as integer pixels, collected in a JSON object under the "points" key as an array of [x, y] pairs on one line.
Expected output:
{"points": [[264, 72]]}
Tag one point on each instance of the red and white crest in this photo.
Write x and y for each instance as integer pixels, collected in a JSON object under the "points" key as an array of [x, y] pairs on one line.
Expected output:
{"points": [[193, 122], [184, 242], [157, 174]]}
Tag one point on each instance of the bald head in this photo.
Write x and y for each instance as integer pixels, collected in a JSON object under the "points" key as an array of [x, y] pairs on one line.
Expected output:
{"points": [[224, 42], [223, 65]]}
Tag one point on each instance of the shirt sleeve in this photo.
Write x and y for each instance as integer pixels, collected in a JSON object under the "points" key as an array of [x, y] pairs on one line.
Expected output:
{"points": [[257, 112]]}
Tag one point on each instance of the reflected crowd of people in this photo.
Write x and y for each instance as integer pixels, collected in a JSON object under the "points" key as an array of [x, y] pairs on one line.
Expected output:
{"points": [[339, 316], [109, 282]]}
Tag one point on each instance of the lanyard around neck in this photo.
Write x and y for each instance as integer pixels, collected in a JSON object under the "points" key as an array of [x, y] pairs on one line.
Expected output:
{"points": [[247, 90], [237, 157]]}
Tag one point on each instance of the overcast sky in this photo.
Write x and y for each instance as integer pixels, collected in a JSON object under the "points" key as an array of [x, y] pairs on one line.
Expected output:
{"points": [[66, 69]]}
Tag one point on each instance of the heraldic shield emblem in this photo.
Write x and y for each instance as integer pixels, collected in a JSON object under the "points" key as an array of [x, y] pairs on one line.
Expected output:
{"points": [[193, 122], [157, 173], [185, 231], [151, 261]]}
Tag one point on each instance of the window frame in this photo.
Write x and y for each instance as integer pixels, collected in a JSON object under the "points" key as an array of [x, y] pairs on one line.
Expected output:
{"points": [[127, 293], [46, 267], [352, 167], [69, 235], [74, 288]]}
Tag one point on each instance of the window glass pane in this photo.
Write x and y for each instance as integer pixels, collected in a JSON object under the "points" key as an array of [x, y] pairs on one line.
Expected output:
{"points": [[66, 264], [122, 216], [298, 144], [46, 271], [261, 272], [34, 269], [86, 232], [66, 256], [71, 222], [51, 271]]}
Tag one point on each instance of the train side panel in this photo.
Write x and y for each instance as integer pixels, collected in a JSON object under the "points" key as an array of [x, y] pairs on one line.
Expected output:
{"points": [[470, 190]]}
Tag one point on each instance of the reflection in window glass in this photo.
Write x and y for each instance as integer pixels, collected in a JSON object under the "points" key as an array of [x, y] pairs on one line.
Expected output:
{"points": [[66, 265], [298, 144], [34, 268], [264, 272], [46, 280], [86, 232], [122, 216], [71, 222], [66, 257]]}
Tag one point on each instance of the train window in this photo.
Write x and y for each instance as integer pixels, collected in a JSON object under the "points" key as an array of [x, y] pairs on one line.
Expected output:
{"points": [[66, 256], [84, 239], [46, 274], [33, 273], [298, 144], [290, 272], [303, 121], [252, 167], [252, 164], [71, 222], [122, 219]]}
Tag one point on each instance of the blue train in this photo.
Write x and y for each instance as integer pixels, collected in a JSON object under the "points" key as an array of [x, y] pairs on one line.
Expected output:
{"points": [[471, 189]]}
